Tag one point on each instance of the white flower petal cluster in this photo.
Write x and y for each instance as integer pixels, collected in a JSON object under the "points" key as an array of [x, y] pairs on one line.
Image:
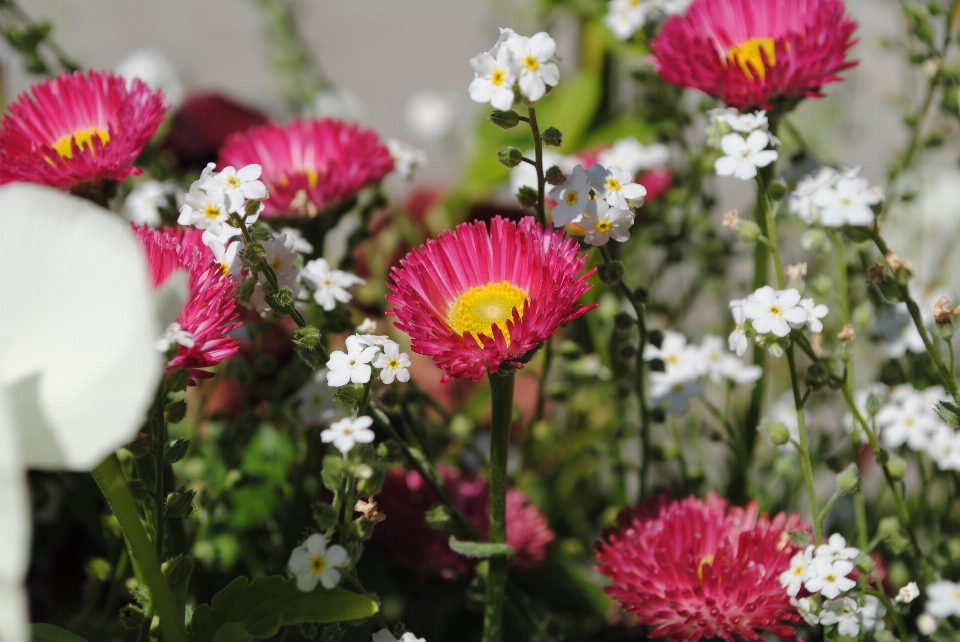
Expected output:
{"points": [[347, 433], [908, 417], [429, 114], [153, 68], [943, 599], [314, 562], [407, 159], [314, 401], [602, 223], [142, 205], [326, 285], [723, 121], [571, 196], [850, 616], [598, 200], [632, 156], [615, 186], [722, 366], [743, 156], [624, 17], [514, 61], [174, 335], [774, 313], [284, 260], [365, 352], [835, 199], [216, 195]]}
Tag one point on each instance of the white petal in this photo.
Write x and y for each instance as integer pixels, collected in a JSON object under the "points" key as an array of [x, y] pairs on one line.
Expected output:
{"points": [[74, 398], [14, 531], [532, 86], [336, 556], [726, 166]]}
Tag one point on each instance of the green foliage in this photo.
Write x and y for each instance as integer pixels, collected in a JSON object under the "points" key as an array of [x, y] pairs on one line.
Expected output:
{"points": [[51, 633], [481, 550], [256, 611]]}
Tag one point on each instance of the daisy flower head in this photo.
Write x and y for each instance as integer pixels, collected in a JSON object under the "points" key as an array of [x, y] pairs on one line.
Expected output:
{"points": [[78, 131], [696, 569], [313, 562], [756, 53], [347, 433], [743, 156], [601, 222], [202, 329], [477, 298], [309, 166]]}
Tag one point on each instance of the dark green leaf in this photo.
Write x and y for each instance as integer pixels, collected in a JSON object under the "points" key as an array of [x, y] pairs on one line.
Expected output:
{"points": [[51, 633], [481, 550]]}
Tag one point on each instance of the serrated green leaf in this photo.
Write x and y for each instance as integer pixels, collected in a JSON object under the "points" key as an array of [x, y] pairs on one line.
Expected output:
{"points": [[481, 550], [51, 633], [246, 611]]}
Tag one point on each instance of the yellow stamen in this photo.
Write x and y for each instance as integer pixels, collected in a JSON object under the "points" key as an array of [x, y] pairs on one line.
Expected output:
{"points": [[211, 211], [480, 308], [232, 182], [603, 226], [750, 55], [276, 264], [572, 198], [775, 310], [613, 184], [317, 564], [531, 63], [497, 77], [393, 364], [84, 138], [708, 559]]}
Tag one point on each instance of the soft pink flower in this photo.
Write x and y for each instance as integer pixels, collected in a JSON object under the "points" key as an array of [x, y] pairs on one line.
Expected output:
{"points": [[78, 128], [694, 569], [475, 299], [309, 165], [210, 309], [751, 53]]}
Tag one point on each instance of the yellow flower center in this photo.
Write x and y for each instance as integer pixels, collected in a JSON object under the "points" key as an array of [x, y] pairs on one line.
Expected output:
{"points": [[775, 310], [572, 198], [317, 564], [797, 572], [232, 181], [276, 264], [225, 268], [393, 364], [531, 63], [603, 226], [480, 308], [311, 174], [707, 560], [84, 138], [497, 77], [749, 56], [211, 211], [613, 184]]}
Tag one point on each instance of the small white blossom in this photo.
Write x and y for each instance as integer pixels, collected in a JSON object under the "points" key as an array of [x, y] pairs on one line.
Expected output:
{"points": [[300, 244], [429, 114], [204, 210], [907, 593], [632, 156], [328, 285], [742, 156], [792, 579], [314, 401], [393, 364], [722, 366], [153, 68], [142, 205], [494, 78], [602, 223], [674, 390], [352, 365], [871, 614], [681, 360], [174, 335], [772, 311], [803, 608], [926, 624], [847, 201], [237, 186], [531, 62], [746, 123], [836, 548], [376, 340], [406, 158], [943, 448], [801, 203], [572, 196], [943, 599], [624, 17], [907, 419], [737, 341], [314, 562], [615, 186], [828, 577], [814, 314], [369, 326], [347, 433], [845, 613], [281, 257]]}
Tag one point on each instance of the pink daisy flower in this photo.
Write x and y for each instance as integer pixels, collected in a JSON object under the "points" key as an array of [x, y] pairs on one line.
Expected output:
{"points": [[309, 165], [210, 309], [753, 53], [694, 569], [78, 129], [474, 299]]}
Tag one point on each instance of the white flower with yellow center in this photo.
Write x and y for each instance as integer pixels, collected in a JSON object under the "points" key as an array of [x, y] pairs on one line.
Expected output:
{"points": [[680, 359], [393, 364], [675, 390], [737, 341], [792, 579], [347, 433], [572, 196], [142, 205], [828, 576], [406, 158], [314, 401], [771, 311], [746, 123], [237, 186], [616, 186], [910, 422], [328, 285], [742, 156], [280, 256], [204, 209], [352, 366], [174, 335], [845, 613], [602, 223], [943, 599], [804, 606], [847, 201], [531, 63], [626, 16], [494, 79], [722, 366], [313, 562]]}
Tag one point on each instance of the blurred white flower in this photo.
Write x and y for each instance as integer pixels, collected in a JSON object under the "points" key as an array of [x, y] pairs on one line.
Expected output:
{"points": [[300, 244], [406, 158], [845, 613], [153, 68], [430, 114], [174, 335], [142, 205], [347, 433], [313, 562], [742, 156], [846, 201], [314, 401], [328, 285], [907, 593], [632, 156]]}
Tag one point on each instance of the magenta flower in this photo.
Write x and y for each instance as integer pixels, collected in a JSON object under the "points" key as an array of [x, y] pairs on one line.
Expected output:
{"points": [[693, 569], [78, 128], [309, 165], [475, 299], [750, 53]]}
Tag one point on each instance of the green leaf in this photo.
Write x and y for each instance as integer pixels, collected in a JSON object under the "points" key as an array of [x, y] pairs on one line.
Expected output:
{"points": [[255, 611], [51, 633], [481, 550], [563, 585]]}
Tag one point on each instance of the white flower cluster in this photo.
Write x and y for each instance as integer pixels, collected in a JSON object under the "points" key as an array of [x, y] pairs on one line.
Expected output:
{"points": [[897, 328], [598, 200], [326, 285], [216, 195], [744, 139], [823, 570], [772, 314], [626, 16], [347, 433], [406, 158], [686, 364], [142, 205], [943, 600], [362, 356], [514, 60], [835, 199], [908, 417], [314, 562]]}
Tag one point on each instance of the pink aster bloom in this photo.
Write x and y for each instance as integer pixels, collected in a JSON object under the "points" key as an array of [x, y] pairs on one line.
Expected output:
{"points": [[409, 541], [210, 309], [78, 128], [750, 53], [694, 569], [309, 165], [475, 299]]}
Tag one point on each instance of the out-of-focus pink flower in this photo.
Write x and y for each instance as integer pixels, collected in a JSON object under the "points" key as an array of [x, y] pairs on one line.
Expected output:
{"points": [[310, 165], [695, 569], [750, 53], [200, 127], [78, 129], [657, 181], [409, 541], [210, 309], [475, 299]]}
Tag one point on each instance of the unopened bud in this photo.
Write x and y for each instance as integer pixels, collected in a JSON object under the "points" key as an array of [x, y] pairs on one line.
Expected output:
{"points": [[552, 137], [627, 351], [655, 338], [175, 411], [510, 156], [176, 450], [896, 466], [800, 539], [888, 526], [863, 563], [747, 231], [527, 196], [777, 190], [177, 380], [611, 272], [177, 569], [252, 256], [307, 337], [657, 365], [180, 502], [774, 432], [624, 321], [657, 415], [505, 119], [641, 295], [131, 617], [926, 624], [554, 175], [849, 479], [141, 446]]}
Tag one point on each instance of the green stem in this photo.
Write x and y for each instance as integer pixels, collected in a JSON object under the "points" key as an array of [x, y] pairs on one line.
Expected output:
{"points": [[803, 448], [159, 429], [501, 403], [843, 287], [109, 476], [538, 151]]}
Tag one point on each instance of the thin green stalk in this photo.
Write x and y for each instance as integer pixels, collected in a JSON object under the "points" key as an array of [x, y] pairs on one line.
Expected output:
{"points": [[159, 428], [803, 448], [501, 403], [538, 150], [542, 385], [843, 287], [109, 477]]}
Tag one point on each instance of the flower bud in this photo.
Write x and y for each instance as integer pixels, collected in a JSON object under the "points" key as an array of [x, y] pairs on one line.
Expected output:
{"points": [[332, 472], [175, 411], [307, 337], [527, 196], [139, 489], [284, 298], [817, 376], [252, 256], [849, 479], [774, 432], [627, 351], [775, 350], [641, 295], [777, 190], [251, 208], [505, 119], [362, 528], [623, 321], [177, 569], [611, 272], [438, 516], [747, 231], [176, 450], [800, 539], [180, 502], [655, 338], [554, 175], [888, 526], [896, 466], [177, 380], [926, 624], [141, 446], [510, 156], [552, 137], [657, 365], [131, 617], [657, 415], [863, 563]]}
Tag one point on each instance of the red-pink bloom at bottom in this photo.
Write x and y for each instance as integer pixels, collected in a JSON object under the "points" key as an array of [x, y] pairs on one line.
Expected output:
{"points": [[409, 541], [210, 309], [693, 569]]}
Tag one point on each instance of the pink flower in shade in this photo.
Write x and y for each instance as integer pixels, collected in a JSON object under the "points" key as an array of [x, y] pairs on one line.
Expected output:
{"points": [[309, 165], [210, 309], [750, 53], [409, 541], [78, 128], [656, 181], [694, 569], [475, 299]]}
